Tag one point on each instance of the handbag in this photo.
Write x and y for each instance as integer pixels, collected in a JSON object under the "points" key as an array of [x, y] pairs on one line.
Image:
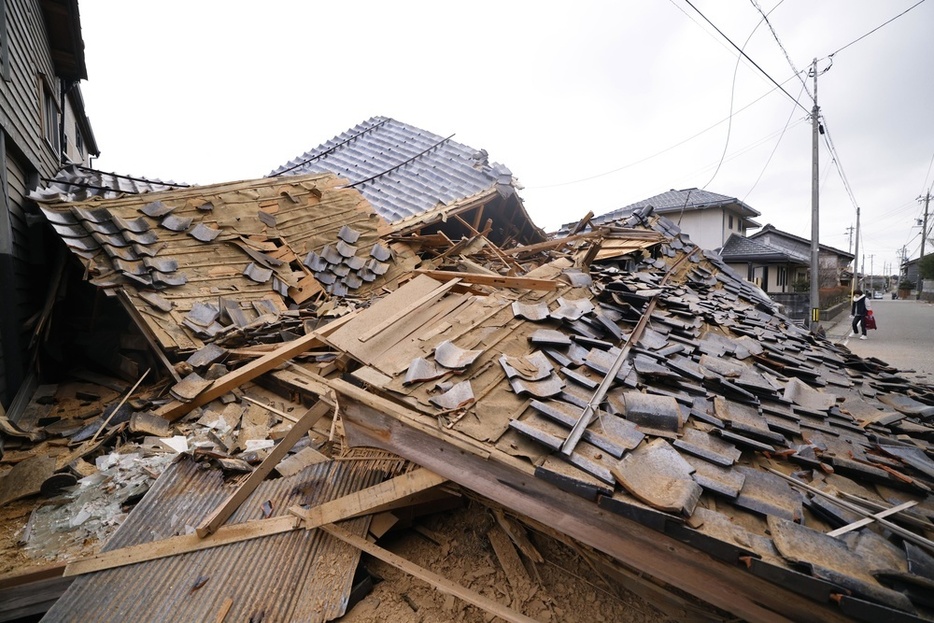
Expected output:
{"points": [[870, 320]]}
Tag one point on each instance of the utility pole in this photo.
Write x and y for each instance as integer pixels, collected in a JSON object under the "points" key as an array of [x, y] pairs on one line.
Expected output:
{"points": [[815, 210], [855, 282], [924, 236], [872, 274], [849, 239]]}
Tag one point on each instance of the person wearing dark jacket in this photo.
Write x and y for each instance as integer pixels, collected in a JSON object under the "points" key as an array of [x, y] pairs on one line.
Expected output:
{"points": [[860, 308]]}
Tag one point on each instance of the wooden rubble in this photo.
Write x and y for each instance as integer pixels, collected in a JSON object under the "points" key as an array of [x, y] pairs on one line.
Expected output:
{"points": [[328, 388]]}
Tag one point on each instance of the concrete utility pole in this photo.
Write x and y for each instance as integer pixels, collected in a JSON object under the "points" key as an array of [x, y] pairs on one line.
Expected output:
{"points": [[815, 209], [872, 273], [849, 239], [854, 283], [924, 236]]}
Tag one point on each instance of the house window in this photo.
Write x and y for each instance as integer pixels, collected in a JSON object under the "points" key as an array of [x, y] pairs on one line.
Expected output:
{"points": [[79, 143], [781, 277], [731, 222], [50, 117]]}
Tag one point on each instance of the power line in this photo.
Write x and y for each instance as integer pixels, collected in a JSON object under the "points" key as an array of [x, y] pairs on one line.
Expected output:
{"points": [[746, 56], [765, 18], [873, 30], [774, 149], [658, 153], [836, 160], [729, 127]]}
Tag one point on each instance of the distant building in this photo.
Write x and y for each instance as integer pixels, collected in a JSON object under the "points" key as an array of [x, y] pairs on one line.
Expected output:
{"points": [[44, 126], [833, 262], [708, 218]]}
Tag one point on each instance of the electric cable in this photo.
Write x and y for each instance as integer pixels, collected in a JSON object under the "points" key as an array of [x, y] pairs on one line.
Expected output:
{"points": [[874, 29], [774, 149], [729, 126], [765, 17], [656, 154], [746, 56]]}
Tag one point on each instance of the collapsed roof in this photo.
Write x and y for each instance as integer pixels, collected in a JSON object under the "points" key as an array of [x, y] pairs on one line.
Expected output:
{"points": [[621, 385]]}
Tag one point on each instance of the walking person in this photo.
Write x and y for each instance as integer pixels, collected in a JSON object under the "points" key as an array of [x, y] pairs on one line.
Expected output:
{"points": [[860, 309]]}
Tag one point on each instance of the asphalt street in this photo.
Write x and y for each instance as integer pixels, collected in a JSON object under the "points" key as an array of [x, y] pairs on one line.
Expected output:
{"points": [[904, 339]]}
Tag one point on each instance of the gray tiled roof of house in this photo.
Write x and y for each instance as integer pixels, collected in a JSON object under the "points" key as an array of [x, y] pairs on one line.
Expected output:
{"points": [[771, 230], [741, 248], [674, 201], [402, 170]]}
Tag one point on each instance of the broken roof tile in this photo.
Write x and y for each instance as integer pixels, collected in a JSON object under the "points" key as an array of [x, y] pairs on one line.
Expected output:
{"points": [[458, 396], [657, 415], [454, 357], [204, 233], [709, 448], [258, 273], [544, 388], [656, 474], [156, 209], [571, 309], [348, 234], [830, 559], [530, 311], [421, 370], [532, 367]]}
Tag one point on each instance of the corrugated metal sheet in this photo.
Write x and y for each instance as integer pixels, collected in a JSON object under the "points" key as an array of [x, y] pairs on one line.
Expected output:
{"points": [[296, 576], [402, 170]]}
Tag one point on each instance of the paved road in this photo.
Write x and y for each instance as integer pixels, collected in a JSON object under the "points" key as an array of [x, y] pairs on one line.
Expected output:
{"points": [[905, 338]]}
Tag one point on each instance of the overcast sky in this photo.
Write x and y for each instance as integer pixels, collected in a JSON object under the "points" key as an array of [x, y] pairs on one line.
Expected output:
{"points": [[593, 105]]}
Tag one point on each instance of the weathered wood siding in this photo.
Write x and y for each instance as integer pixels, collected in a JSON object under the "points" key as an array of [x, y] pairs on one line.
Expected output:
{"points": [[25, 156], [21, 97]]}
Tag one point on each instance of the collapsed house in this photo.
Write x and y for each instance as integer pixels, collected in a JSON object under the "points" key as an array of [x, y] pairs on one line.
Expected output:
{"points": [[621, 387]]}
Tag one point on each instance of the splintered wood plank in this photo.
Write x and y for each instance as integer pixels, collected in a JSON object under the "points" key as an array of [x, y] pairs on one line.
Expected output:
{"points": [[369, 500], [176, 409], [225, 510], [509, 560], [521, 283], [182, 544], [440, 583]]}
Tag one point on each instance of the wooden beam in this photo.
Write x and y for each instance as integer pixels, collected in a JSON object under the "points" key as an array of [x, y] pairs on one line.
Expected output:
{"points": [[176, 409], [369, 500], [581, 224], [223, 512], [551, 244], [183, 544], [522, 283], [511, 483], [438, 582]]}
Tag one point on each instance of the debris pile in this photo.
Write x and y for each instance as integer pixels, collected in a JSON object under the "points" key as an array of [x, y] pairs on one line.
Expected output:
{"points": [[621, 388]]}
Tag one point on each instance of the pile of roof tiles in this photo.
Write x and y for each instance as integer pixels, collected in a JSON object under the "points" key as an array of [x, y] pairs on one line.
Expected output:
{"points": [[342, 267], [719, 402]]}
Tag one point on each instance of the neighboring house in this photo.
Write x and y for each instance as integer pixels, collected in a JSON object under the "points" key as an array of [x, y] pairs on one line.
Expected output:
{"points": [[708, 218], [423, 183], [44, 126], [833, 262], [772, 269]]}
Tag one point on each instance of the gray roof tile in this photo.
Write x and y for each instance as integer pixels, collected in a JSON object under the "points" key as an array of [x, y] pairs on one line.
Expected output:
{"points": [[402, 170]]}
